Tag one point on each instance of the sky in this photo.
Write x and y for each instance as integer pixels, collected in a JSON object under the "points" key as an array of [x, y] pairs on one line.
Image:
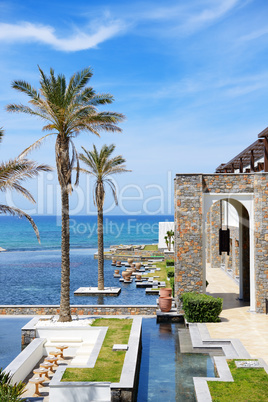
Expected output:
{"points": [[190, 77]]}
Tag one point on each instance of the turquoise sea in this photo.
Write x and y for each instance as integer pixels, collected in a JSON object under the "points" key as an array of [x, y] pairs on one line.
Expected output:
{"points": [[30, 273]]}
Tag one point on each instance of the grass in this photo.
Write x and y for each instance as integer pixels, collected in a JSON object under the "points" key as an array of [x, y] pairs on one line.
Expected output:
{"points": [[109, 364], [250, 385], [162, 274], [151, 247]]}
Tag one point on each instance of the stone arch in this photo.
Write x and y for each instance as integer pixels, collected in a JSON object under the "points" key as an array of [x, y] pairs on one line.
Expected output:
{"points": [[243, 232], [194, 195]]}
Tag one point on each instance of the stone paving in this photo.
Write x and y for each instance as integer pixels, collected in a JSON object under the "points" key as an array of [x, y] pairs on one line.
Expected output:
{"points": [[237, 321], [44, 389]]}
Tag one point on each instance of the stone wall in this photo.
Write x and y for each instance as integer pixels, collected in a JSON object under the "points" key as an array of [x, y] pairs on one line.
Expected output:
{"points": [[79, 310], [228, 183], [27, 335], [261, 240], [208, 244], [138, 255], [188, 236], [215, 225], [189, 190]]}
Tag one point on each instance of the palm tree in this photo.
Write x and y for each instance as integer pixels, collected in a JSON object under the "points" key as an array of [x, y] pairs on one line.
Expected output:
{"points": [[101, 166], [169, 239], [67, 109], [12, 173]]}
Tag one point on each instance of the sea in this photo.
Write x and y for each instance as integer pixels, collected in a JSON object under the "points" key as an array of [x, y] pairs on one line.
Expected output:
{"points": [[30, 272]]}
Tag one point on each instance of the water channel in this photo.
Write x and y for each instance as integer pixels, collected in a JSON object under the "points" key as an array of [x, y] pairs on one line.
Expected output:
{"points": [[168, 363]]}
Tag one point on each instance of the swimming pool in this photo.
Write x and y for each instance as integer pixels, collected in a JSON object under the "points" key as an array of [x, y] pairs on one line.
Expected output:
{"points": [[10, 338], [166, 374]]}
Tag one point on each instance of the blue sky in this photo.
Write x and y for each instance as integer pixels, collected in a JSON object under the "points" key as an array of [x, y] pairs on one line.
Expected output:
{"points": [[191, 78]]}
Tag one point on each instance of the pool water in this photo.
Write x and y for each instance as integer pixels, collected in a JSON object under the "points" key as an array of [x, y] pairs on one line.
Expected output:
{"points": [[10, 338], [166, 374]]}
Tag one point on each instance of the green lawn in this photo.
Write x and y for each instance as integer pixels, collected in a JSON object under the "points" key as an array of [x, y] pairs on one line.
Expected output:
{"points": [[250, 385], [151, 247], [109, 364], [162, 274]]}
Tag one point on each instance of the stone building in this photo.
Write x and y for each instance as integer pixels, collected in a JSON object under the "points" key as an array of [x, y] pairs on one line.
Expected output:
{"points": [[236, 196]]}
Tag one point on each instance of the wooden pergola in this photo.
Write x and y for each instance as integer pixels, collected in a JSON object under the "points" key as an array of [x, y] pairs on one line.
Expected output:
{"points": [[257, 150]]}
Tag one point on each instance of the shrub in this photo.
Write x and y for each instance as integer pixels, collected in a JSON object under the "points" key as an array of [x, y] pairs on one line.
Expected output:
{"points": [[199, 307], [170, 263], [172, 285], [10, 392], [170, 274]]}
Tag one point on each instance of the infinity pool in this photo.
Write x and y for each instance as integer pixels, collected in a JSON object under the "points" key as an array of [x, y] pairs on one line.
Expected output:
{"points": [[34, 277]]}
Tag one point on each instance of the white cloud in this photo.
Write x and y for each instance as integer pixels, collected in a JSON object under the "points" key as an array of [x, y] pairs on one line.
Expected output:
{"points": [[204, 83], [210, 13], [254, 35], [184, 18], [26, 31]]}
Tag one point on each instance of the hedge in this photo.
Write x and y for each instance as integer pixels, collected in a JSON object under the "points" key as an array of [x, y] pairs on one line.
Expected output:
{"points": [[169, 263], [172, 285], [199, 307], [170, 274]]}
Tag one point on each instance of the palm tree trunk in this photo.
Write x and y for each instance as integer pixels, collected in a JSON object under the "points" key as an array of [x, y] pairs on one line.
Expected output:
{"points": [[62, 167], [100, 251], [65, 312]]}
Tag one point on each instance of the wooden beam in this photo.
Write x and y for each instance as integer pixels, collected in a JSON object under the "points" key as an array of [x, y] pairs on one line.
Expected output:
{"points": [[232, 168], [241, 166], [252, 168]]}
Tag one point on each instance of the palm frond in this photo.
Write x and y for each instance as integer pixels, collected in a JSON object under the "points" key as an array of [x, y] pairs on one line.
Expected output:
{"points": [[68, 109], [27, 110], [25, 87], [4, 209], [113, 188], [45, 82], [101, 99], [77, 82], [75, 159], [35, 145], [100, 165], [12, 173], [1, 133]]}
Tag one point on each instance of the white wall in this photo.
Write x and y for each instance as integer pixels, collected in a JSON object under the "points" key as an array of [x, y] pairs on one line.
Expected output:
{"points": [[229, 214], [73, 337], [24, 363], [163, 228], [74, 392]]}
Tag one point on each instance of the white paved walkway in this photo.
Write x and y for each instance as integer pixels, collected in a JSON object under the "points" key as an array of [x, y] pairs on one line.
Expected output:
{"points": [[237, 321]]}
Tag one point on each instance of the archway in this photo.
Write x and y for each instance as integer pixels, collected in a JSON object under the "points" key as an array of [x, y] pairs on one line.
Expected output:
{"points": [[232, 214], [194, 196]]}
